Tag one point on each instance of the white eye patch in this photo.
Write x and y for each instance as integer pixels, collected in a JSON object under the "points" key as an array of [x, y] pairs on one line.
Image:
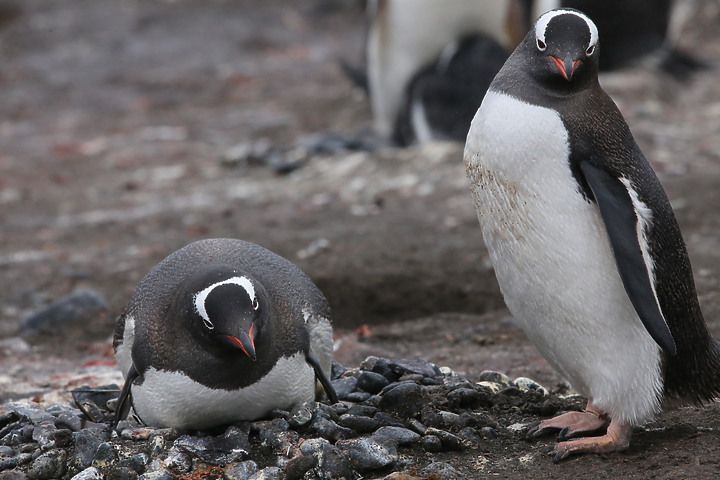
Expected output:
{"points": [[201, 297], [544, 20]]}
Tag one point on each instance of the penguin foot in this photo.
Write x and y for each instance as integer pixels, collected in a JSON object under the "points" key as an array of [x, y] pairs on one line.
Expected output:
{"points": [[572, 424], [616, 439]]}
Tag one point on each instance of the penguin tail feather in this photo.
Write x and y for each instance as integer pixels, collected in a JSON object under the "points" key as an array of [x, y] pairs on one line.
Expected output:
{"points": [[696, 378]]}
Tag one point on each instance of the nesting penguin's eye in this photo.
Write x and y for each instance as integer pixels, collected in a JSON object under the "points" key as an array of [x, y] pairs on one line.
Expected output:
{"points": [[541, 45], [255, 304], [590, 50]]}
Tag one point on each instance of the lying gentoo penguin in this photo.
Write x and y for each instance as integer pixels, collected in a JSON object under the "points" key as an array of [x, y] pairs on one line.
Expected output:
{"points": [[585, 246], [220, 331]]}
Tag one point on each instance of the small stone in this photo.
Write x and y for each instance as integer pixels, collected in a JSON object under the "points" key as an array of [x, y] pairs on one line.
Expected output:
{"points": [[215, 450], [372, 382], [62, 437], [431, 443], [328, 429], [313, 446], [488, 432], [104, 456], [298, 466], [6, 451], [404, 399], [464, 398], [421, 367], [161, 474], [362, 410], [387, 420], [121, 473], [357, 397], [381, 366], [301, 414], [80, 304], [48, 465], [86, 443], [443, 470], [449, 419], [13, 475], [269, 473], [449, 441], [240, 471], [489, 387], [369, 453], [494, 377], [525, 384], [469, 434], [138, 462], [417, 426], [90, 473], [360, 424], [337, 370], [344, 386], [178, 462], [399, 435]]}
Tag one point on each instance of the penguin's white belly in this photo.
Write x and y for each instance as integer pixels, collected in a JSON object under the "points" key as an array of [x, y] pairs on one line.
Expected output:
{"points": [[174, 399], [553, 260]]}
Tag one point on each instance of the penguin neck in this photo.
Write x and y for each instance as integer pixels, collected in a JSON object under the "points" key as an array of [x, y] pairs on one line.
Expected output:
{"points": [[519, 82]]}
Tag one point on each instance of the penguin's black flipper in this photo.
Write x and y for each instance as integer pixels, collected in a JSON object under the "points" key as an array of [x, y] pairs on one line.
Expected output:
{"points": [[124, 400], [322, 378], [629, 246]]}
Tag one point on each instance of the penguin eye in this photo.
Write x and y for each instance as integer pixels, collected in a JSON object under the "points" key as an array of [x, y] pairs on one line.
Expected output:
{"points": [[590, 50], [255, 304], [541, 45]]}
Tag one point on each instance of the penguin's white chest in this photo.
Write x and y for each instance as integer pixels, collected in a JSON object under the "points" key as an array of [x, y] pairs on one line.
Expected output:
{"points": [[552, 258], [174, 399]]}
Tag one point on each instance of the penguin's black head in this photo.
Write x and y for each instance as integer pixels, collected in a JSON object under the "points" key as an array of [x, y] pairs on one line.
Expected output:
{"points": [[564, 48], [229, 308]]}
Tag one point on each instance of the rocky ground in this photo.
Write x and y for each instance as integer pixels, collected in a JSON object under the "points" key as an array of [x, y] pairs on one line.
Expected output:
{"points": [[129, 129]]}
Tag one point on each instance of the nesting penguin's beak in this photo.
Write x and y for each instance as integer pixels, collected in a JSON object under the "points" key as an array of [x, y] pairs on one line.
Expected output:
{"points": [[245, 342], [567, 66]]}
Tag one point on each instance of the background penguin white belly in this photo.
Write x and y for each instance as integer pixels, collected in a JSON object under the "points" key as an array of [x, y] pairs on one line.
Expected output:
{"points": [[553, 260]]}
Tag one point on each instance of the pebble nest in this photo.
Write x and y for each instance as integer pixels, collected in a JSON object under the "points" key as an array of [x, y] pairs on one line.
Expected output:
{"points": [[393, 416]]}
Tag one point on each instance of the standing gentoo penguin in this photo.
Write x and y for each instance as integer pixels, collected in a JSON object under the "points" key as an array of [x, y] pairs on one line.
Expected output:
{"points": [[222, 330], [583, 240]]}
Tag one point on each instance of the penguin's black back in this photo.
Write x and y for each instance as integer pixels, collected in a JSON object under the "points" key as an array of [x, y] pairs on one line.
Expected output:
{"points": [[161, 307]]}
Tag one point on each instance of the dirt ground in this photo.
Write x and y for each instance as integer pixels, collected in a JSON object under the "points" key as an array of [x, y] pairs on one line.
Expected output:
{"points": [[115, 118]]}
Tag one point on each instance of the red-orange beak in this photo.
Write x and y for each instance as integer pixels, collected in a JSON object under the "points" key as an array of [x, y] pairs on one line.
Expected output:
{"points": [[567, 66], [245, 342]]}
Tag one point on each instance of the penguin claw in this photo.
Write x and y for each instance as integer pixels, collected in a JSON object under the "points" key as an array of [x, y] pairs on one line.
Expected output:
{"points": [[616, 439]]}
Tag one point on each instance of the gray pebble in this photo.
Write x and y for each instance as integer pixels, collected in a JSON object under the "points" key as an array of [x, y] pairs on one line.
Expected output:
{"points": [[464, 397], [495, 377], [328, 429], [62, 437], [399, 435], [48, 465], [6, 451], [357, 397], [371, 382], [138, 462], [360, 424], [405, 399], [344, 386], [269, 473], [469, 434], [302, 414], [104, 456], [363, 410], [80, 304], [417, 426], [431, 443], [121, 473], [215, 450], [369, 453], [178, 462], [90, 473], [299, 466], [488, 432], [13, 475], [161, 474], [69, 421], [449, 441], [240, 471], [86, 443], [443, 470]]}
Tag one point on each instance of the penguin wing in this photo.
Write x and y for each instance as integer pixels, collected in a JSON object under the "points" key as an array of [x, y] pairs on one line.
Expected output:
{"points": [[626, 221]]}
